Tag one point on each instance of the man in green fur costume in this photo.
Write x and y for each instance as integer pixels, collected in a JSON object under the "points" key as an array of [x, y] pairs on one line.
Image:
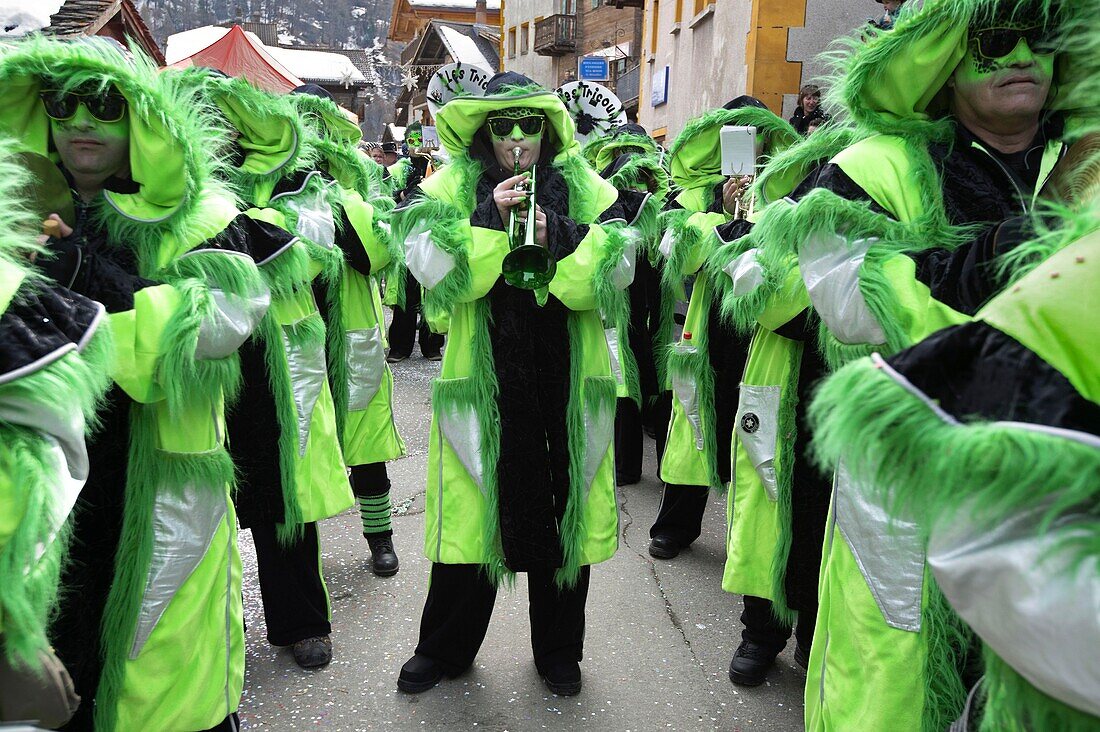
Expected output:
{"points": [[892, 242], [629, 159], [703, 368], [363, 387], [150, 623], [986, 436], [54, 365], [521, 466]]}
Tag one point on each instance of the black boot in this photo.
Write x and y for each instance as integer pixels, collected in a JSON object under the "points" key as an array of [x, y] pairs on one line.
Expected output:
{"points": [[419, 674], [750, 663], [383, 559]]}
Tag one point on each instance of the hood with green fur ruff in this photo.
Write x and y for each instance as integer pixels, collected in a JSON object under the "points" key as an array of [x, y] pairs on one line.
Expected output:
{"points": [[272, 136], [336, 138], [894, 82], [695, 157], [172, 135], [337, 125], [789, 167], [460, 119]]}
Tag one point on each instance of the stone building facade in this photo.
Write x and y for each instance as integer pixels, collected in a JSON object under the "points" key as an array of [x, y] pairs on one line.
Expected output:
{"points": [[699, 54]]}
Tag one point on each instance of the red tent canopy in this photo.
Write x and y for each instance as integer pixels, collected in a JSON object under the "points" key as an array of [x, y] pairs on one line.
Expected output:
{"points": [[237, 54]]}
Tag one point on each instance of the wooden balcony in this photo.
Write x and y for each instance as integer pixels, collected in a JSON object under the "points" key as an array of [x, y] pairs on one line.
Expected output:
{"points": [[556, 35]]}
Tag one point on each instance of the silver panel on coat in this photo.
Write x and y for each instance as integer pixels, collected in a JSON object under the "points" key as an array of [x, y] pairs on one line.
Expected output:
{"points": [[307, 377], [315, 221], [1020, 591], [746, 272], [687, 393], [428, 263], [888, 550], [184, 523], [668, 242], [366, 359], [611, 335], [599, 429], [757, 426], [460, 427], [622, 275], [224, 330], [830, 266]]}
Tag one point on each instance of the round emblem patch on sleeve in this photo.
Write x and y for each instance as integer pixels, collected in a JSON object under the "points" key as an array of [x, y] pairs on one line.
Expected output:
{"points": [[749, 423]]}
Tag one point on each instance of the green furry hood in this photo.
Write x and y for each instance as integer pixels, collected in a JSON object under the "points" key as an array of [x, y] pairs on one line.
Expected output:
{"points": [[172, 136], [894, 82], [335, 139], [271, 137], [695, 158], [460, 119]]}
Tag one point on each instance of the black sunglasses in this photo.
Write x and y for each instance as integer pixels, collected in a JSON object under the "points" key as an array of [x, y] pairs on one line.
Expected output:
{"points": [[529, 126], [994, 43], [62, 106]]}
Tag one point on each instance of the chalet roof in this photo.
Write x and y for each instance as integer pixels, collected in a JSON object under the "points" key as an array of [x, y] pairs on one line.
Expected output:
{"points": [[445, 41], [88, 17]]}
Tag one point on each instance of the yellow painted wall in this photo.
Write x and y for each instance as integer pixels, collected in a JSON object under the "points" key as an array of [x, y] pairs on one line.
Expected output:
{"points": [[769, 74]]}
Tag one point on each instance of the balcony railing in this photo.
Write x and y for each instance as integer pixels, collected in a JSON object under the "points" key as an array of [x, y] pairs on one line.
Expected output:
{"points": [[626, 86], [556, 35]]}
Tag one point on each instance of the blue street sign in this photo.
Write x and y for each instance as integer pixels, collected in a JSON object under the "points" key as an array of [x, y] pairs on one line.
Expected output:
{"points": [[593, 68]]}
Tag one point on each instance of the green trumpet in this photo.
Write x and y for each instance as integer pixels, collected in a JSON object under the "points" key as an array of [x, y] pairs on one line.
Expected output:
{"points": [[527, 265]]}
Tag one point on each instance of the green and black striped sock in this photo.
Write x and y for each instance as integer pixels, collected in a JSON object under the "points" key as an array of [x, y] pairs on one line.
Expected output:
{"points": [[375, 513]]}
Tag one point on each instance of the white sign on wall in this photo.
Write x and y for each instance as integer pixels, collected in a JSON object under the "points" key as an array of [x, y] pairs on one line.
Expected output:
{"points": [[659, 91]]}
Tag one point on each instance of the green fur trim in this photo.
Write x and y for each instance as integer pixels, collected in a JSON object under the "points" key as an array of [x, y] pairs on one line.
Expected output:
{"points": [[336, 341], [739, 313], [149, 471], [788, 434], [183, 377], [695, 365], [1012, 703], [687, 239], [308, 333], [30, 580], [948, 640], [29, 597], [1058, 227], [789, 167], [637, 170], [614, 306], [481, 393], [932, 470]]}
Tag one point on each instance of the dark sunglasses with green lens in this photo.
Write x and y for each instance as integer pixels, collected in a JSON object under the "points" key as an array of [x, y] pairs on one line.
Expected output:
{"points": [[62, 106], [530, 126], [994, 43]]}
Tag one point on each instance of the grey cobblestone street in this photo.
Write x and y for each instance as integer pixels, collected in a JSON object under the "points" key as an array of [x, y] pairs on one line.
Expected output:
{"points": [[659, 634]]}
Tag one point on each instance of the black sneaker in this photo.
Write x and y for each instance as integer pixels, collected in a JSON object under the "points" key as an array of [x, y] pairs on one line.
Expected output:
{"points": [[562, 677], [419, 673], [663, 547], [394, 357], [313, 652], [434, 356], [383, 559], [750, 664], [802, 656]]}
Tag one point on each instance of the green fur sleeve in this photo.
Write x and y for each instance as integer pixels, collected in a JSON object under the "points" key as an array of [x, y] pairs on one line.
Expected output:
{"points": [[596, 274]]}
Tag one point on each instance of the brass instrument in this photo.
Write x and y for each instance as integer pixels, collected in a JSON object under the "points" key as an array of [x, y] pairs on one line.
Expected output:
{"points": [[744, 208], [527, 265]]}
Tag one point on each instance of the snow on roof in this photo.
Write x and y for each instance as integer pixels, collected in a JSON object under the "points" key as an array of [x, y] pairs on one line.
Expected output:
{"points": [[318, 65], [489, 4], [188, 43], [19, 17], [462, 47]]}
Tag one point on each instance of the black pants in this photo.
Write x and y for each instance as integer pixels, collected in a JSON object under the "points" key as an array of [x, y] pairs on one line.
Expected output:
{"points": [[681, 513], [764, 629], [628, 442], [460, 603], [295, 601], [232, 723], [403, 327]]}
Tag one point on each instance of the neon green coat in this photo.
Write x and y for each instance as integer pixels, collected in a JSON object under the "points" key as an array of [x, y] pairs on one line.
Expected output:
{"points": [[458, 264], [172, 629]]}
